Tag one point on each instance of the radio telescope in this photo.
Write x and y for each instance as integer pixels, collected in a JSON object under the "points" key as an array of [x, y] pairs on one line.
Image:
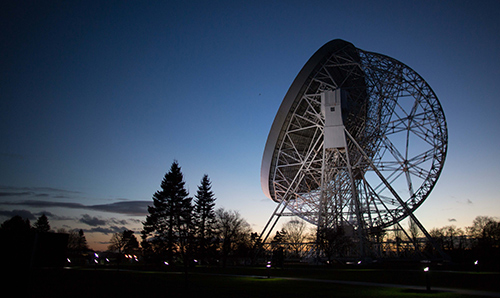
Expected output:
{"points": [[358, 143]]}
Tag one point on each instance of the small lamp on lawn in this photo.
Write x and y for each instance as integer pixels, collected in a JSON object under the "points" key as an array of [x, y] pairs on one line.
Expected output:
{"points": [[427, 279]]}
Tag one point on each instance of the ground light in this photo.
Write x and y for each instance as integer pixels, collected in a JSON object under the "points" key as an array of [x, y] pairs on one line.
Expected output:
{"points": [[427, 279], [268, 266]]}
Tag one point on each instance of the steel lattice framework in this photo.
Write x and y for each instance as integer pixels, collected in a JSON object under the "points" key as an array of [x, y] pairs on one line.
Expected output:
{"points": [[396, 142]]}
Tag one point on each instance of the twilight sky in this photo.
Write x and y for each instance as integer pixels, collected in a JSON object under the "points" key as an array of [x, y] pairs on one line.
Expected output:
{"points": [[98, 98]]}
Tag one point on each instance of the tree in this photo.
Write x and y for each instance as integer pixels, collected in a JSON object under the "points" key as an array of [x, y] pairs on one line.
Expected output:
{"points": [[295, 234], [281, 237], [438, 236], [42, 224], [334, 241], [81, 241], [453, 237], [116, 243], [77, 241], [124, 242], [204, 217], [414, 232], [233, 230], [16, 225], [492, 231], [477, 230], [132, 245], [167, 229], [486, 231]]}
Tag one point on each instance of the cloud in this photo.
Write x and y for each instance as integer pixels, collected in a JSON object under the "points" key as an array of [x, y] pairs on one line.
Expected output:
{"points": [[133, 220], [132, 208], [42, 195], [35, 190], [118, 221], [107, 230], [139, 208], [23, 213], [16, 194], [28, 214], [112, 222], [52, 216], [33, 194], [92, 221]]}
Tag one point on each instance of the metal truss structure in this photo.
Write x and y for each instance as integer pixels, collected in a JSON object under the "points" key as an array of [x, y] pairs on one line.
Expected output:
{"points": [[393, 144]]}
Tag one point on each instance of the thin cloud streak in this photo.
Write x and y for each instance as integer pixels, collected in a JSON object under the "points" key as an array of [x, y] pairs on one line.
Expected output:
{"points": [[23, 213], [31, 190], [37, 192], [107, 230], [16, 194], [132, 208], [92, 220]]}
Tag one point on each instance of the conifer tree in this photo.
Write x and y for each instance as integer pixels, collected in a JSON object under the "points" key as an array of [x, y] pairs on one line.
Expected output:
{"points": [[204, 217], [42, 224], [82, 241], [167, 229]]}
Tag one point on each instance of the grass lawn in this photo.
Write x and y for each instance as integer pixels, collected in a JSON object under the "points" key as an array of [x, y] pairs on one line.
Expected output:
{"points": [[212, 283]]}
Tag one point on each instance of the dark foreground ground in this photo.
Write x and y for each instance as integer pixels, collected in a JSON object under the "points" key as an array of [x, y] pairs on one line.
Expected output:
{"points": [[248, 282]]}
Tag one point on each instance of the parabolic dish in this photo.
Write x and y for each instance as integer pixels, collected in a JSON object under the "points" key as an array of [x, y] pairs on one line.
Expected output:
{"points": [[395, 140]]}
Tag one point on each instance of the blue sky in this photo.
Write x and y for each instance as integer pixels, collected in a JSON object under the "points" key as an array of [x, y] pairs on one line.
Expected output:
{"points": [[98, 98]]}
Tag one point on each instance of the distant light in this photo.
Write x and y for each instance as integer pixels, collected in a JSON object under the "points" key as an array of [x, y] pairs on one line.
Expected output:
{"points": [[95, 261], [476, 262], [166, 263], [195, 260], [426, 269], [107, 260], [96, 255], [69, 261], [359, 262]]}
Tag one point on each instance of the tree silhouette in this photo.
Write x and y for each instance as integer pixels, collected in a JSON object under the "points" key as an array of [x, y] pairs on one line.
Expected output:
{"points": [[82, 241], [124, 242], [16, 225], [204, 218], [42, 224], [233, 230], [334, 242], [477, 230], [131, 245], [167, 230], [295, 234]]}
